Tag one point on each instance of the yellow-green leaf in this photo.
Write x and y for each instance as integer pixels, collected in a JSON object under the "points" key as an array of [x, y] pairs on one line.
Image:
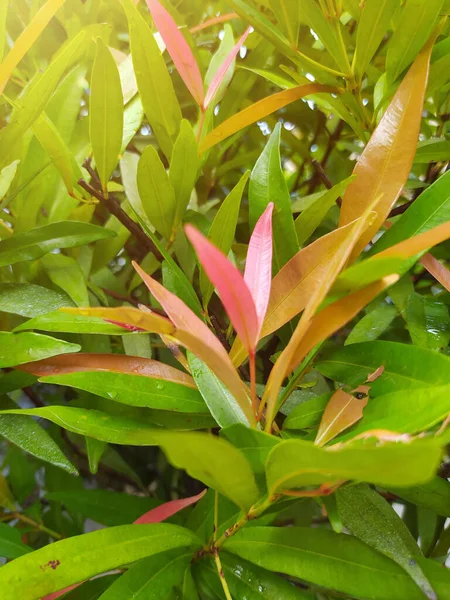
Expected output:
{"points": [[106, 113], [184, 166]]}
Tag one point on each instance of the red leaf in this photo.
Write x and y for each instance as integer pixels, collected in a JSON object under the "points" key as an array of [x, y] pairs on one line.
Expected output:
{"points": [[60, 593], [179, 50], [218, 77], [258, 267], [166, 510], [234, 293]]}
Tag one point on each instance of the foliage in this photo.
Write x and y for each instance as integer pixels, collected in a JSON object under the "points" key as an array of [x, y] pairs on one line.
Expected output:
{"points": [[224, 299]]}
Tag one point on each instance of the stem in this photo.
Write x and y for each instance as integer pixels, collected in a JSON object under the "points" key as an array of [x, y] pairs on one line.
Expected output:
{"points": [[214, 21], [223, 581], [37, 525], [252, 364], [201, 122], [216, 515]]}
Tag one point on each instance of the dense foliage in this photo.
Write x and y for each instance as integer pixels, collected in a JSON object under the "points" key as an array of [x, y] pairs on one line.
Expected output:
{"points": [[224, 299]]}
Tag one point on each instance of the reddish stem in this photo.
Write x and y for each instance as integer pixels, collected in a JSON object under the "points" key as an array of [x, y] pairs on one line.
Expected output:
{"points": [[214, 21], [252, 363]]}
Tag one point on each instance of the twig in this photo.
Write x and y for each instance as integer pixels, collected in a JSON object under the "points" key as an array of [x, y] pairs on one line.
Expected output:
{"points": [[115, 209], [33, 396], [117, 296], [324, 178]]}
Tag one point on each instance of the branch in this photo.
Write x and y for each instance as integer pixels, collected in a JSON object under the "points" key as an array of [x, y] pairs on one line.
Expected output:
{"points": [[115, 209]]}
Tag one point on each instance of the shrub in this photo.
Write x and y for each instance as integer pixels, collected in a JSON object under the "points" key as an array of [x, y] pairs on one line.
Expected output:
{"points": [[224, 299]]}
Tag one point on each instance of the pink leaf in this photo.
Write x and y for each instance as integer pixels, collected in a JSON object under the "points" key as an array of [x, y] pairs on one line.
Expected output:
{"points": [[218, 77], [258, 268], [234, 293], [179, 50], [180, 314], [166, 510], [55, 595]]}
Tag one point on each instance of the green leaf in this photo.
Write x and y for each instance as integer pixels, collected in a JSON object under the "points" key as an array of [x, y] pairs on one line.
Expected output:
{"points": [[7, 175], [68, 323], [76, 559], [414, 27], [312, 217], [434, 150], [267, 184], [372, 325], [222, 231], [176, 282], [32, 438], [406, 367], [372, 26], [156, 192], [335, 561], [287, 13], [184, 166], [6, 496], [205, 457], [363, 273], [66, 273], [430, 209], [372, 519], [396, 412], [225, 48], [29, 300], [313, 16], [105, 113], [307, 414], [95, 450], [103, 506], [16, 349], [221, 403], [434, 495], [15, 380], [42, 240], [134, 390], [154, 83], [298, 463], [152, 578], [11, 545], [37, 94], [428, 322], [255, 445], [249, 582]]}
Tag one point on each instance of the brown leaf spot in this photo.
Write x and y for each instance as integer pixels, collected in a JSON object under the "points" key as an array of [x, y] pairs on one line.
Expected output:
{"points": [[52, 564]]}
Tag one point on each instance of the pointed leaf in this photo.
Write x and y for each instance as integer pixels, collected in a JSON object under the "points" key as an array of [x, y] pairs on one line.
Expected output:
{"points": [[415, 23], [154, 83], [81, 557], [179, 50], [184, 166], [11, 545], [221, 403], [105, 113], [258, 266], [234, 293], [437, 269], [222, 230], [259, 110], [334, 561], [298, 463], [18, 348], [27, 38], [384, 166], [168, 509], [131, 316], [372, 519], [342, 411], [66, 273], [156, 192], [41, 240], [221, 73]]}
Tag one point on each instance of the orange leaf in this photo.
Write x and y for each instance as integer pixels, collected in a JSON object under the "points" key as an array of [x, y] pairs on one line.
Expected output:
{"points": [[418, 243], [259, 110], [438, 270], [336, 315], [318, 289], [342, 411], [384, 165], [179, 50], [131, 316], [118, 363]]}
